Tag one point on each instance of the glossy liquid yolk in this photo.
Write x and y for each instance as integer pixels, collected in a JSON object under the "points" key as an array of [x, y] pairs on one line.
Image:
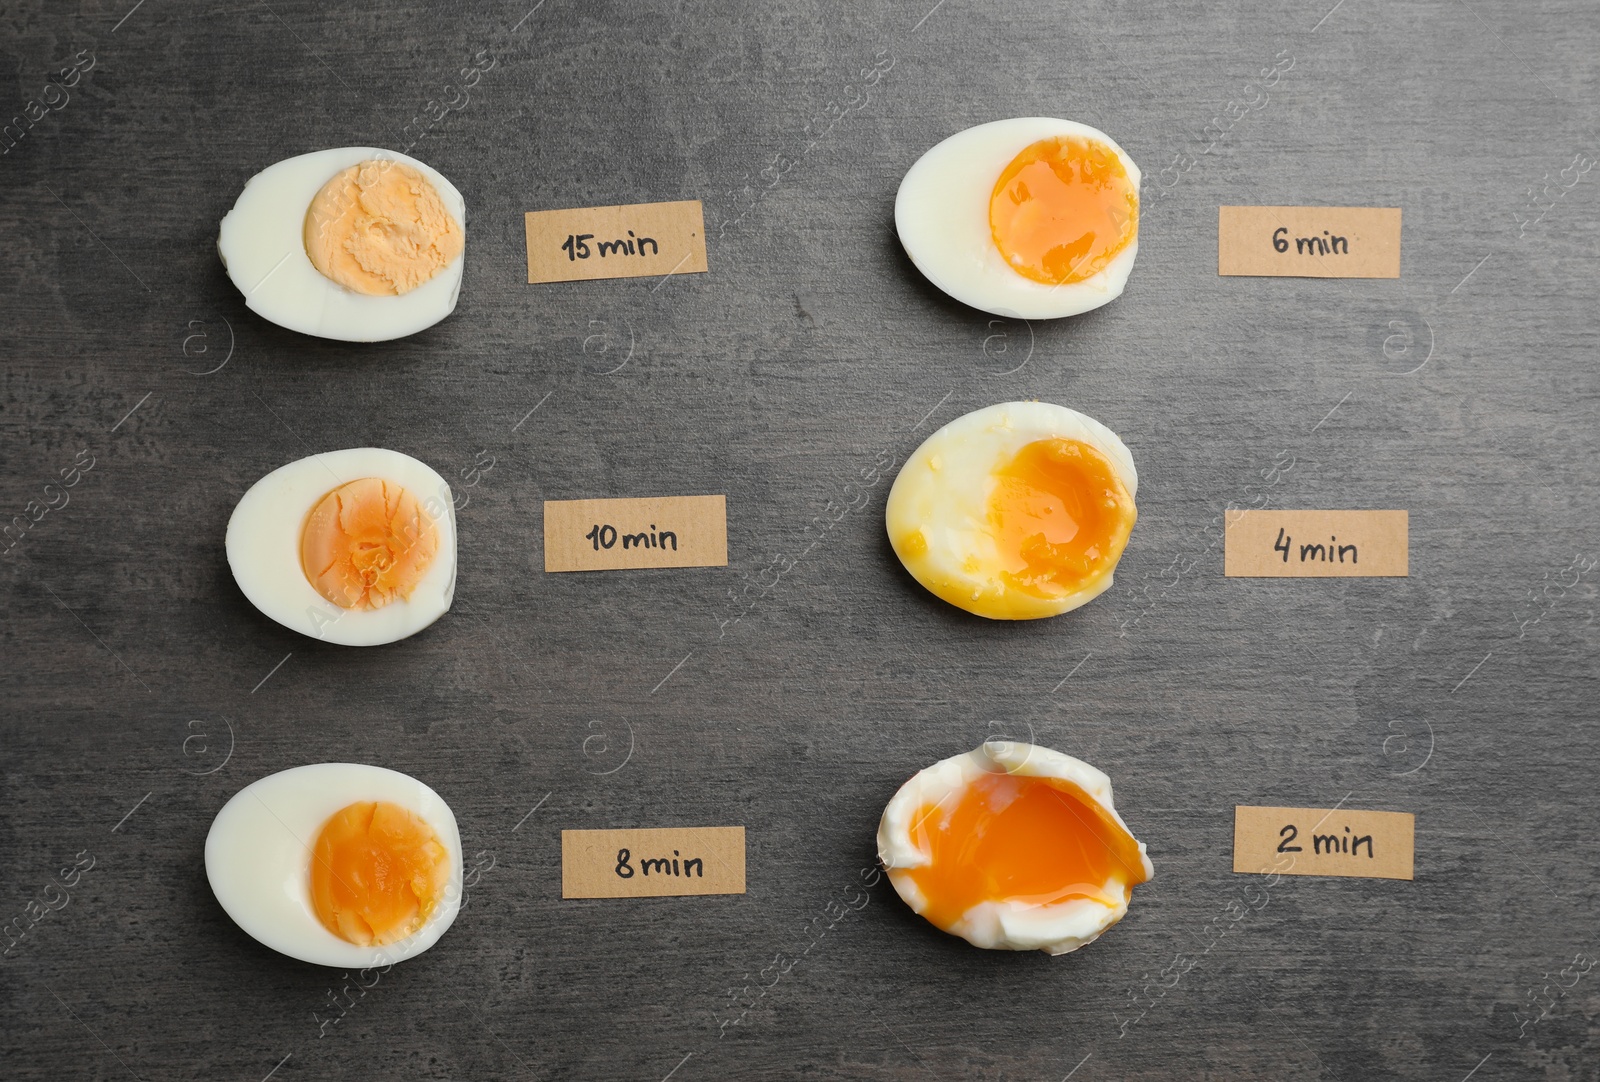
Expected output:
{"points": [[1063, 209], [377, 873], [367, 543], [1060, 516], [1034, 840]]}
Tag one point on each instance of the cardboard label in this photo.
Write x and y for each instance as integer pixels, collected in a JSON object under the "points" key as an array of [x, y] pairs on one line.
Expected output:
{"points": [[660, 531], [1317, 841], [1309, 242], [636, 241], [1316, 544], [652, 863]]}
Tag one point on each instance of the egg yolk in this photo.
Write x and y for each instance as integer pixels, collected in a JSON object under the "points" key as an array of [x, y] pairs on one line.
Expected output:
{"points": [[380, 228], [1060, 517], [367, 543], [377, 873], [1034, 840], [1063, 209]]}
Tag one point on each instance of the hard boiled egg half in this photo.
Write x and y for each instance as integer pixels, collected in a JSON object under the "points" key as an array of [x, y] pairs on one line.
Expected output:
{"points": [[1012, 847], [339, 864], [1033, 218], [355, 243], [356, 547], [1016, 511]]}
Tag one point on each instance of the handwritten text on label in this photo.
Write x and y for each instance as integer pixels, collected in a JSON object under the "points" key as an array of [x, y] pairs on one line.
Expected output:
{"points": [[1338, 842], [1316, 544], [662, 531], [1309, 242], [652, 863], [640, 240]]}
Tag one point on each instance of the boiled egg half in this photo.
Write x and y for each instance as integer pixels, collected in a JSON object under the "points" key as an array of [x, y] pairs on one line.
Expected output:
{"points": [[356, 243], [356, 547], [339, 864], [1012, 846], [1033, 218], [1015, 511]]}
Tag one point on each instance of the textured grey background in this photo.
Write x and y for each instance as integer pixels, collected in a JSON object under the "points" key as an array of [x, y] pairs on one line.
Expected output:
{"points": [[811, 351]]}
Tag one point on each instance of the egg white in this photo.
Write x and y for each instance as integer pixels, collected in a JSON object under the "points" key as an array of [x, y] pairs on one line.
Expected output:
{"points": [[943, 489], [263, 545], [942, 216], [1010, 924], [262, 245], [258, 858]]}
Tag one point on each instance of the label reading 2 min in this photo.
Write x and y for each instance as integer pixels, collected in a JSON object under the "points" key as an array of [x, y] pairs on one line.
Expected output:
{"points": [[607, 535], [1314, 841]]}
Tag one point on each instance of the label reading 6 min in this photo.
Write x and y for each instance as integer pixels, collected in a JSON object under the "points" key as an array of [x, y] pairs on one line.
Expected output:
{"points": [[1309, 242], [665, 531]]}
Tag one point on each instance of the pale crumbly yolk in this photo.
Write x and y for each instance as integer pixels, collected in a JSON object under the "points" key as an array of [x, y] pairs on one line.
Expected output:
{"points": [[367, 543], [380, 228], [377, 872], [1012, 837], [1063, 209], [1060, 516]]}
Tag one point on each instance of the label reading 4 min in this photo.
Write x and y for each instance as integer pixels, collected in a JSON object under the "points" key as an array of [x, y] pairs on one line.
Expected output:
{"points": [[1316, 544]]}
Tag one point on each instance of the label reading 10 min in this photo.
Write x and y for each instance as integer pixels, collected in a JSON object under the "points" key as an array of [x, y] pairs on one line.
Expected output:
{"points": [[606, 536]]}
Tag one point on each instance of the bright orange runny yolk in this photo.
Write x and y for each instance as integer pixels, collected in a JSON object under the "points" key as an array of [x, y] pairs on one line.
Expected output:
{"points": [[1063, 209], [1060, 516], [377, 873], [367, 543], [1028, 839]]}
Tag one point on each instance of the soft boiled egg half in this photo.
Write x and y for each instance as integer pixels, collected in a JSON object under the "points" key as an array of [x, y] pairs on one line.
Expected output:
{"points": [[1012, 847], [356, 547], [339, 864], [1016, 511], [355, 243], [1033, 218]]}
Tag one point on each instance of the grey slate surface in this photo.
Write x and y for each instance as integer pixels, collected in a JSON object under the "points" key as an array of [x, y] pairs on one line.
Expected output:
{"points": [[1464, 392]]}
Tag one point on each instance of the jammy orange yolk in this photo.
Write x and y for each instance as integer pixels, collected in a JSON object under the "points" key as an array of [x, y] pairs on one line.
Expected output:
{"points": [[1060, 516], [1063, 209], [1034, 840], [367, 543], [377, 873]]}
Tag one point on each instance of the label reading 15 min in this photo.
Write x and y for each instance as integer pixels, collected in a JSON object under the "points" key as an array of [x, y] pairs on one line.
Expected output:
{"points": [[638, 240]]}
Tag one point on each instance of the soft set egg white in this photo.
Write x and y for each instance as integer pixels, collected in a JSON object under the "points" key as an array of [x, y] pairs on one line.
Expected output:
{"points": [[259, 856], [263, 246], [265, 537], [943, 216], [1012, 846]]}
